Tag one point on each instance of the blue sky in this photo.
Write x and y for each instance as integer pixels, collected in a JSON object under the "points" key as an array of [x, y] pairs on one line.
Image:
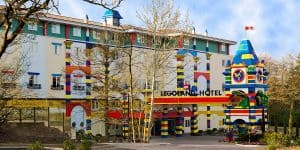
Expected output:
{"points": [[276, 22]]}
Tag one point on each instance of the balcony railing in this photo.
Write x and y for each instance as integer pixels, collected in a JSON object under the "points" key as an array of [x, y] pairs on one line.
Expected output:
{"points": [[57, 87], [34, 86]]}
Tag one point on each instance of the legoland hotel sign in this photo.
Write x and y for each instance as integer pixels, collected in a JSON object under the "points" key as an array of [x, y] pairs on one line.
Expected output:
{"points": [[190, 93]]}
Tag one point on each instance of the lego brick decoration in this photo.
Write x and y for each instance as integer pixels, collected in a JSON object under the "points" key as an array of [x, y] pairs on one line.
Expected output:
{"points": [[164, 129]]}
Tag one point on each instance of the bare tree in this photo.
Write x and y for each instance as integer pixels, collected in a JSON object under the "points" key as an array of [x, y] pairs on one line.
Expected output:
{"points": [[284, 90], [19, 13], [10, 74], [160, 18], [16, 13], [108, 4]]}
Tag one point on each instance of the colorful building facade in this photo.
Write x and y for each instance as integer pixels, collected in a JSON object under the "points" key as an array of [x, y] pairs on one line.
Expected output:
{"points": [[63, 77]]}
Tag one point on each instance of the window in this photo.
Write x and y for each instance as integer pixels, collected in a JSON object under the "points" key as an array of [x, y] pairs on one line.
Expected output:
{"points": [[223, 47], [55, 28], [56, 82], [78, 82], [187, 123], [223, 63], [56, 48], [32, 26], [9, 82], [115, 54], [33, 81], [114, 37], [223, 87], [149, 86], [95, 105], [77, 31], [143, 39], [97, 35], [186, 42], [138, 38]]}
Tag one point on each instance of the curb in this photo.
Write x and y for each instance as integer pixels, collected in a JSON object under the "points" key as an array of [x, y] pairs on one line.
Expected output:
{"points": [[242, 145]]}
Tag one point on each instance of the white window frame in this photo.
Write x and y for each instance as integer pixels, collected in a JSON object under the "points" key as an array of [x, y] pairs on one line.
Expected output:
{"points": [[95, 105], [56, 48], [32, 26], [223, 63], [77, 31], [55, 28], [97, 35], [139, 39], [186, 41], [57, 81], [223, 47]]}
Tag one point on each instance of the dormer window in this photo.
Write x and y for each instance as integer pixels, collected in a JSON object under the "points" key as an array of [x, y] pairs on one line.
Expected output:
{"points": [[223, 47], [97, 35], [32, 26], [186, 42], [55, 28], [77, 31]]}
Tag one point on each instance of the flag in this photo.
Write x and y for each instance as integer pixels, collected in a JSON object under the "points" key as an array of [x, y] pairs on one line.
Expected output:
{"points": [[86, 19], [249, 28]]}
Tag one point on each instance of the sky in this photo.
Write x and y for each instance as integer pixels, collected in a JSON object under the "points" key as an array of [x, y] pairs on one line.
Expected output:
{"points": [[276, 22]]}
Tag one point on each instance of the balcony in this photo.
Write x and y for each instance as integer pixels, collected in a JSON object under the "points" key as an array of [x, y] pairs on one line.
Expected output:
{"points": [[57, 87], [34, 86], [8, 85], [78, 88]]}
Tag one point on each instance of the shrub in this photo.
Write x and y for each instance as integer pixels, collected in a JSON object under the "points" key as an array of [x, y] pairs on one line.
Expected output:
{"points": [[276, 140], [37, 145], [200, 132], [209, 132], [85, 145], [80, 134], [98, 137], [243, 137], [222, 130], [271, 147], [68, 145], [298, 141]]}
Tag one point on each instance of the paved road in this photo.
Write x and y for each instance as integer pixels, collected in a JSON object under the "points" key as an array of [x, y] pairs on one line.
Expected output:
{"points": [[156, 143], [182, 143]]}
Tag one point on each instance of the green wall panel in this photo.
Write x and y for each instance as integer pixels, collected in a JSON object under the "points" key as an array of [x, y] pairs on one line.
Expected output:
{"points": [[213, 47], [81, 38], [201, 45], [38, 32]]}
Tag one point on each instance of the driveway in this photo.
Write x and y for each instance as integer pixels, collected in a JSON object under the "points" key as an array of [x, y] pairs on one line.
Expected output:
{"points": [[179, 143]]}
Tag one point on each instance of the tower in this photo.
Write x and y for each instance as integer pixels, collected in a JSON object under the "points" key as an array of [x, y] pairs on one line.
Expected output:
{"points": [[112, 17], [245, 84]]}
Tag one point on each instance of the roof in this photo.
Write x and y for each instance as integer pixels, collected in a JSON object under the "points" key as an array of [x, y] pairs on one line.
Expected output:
{"points": [[245, 54], [112, 14], [123, 28]]}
